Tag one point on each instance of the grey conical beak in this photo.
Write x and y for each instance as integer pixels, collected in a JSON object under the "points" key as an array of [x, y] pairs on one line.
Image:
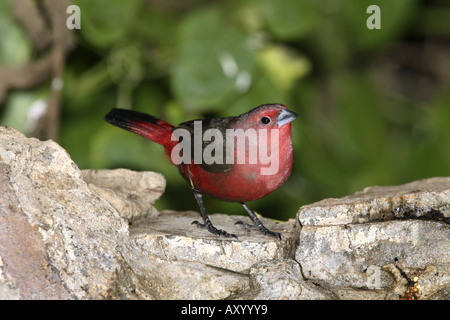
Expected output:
{"points": [[286, 116]]}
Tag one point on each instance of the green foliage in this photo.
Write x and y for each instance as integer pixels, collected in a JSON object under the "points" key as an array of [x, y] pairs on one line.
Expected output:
{"points": [[361, 121], [15, 49], [212, 54], [290, 20]]}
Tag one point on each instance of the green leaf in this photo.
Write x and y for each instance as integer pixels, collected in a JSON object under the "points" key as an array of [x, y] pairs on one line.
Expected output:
{"points": [[105, 22], [111, 147], [213, 62], [262, 91], [290, 19], [15, 47], [283, 66]]}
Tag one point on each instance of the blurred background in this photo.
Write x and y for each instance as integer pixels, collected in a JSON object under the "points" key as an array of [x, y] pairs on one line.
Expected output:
{"points": [[374, 105]]}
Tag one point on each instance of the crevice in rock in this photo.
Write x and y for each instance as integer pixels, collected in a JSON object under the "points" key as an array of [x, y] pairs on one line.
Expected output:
{"points": [[406, 212]]}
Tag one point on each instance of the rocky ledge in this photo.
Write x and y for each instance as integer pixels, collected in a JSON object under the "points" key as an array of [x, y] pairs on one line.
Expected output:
{"points": [[71, 234]]}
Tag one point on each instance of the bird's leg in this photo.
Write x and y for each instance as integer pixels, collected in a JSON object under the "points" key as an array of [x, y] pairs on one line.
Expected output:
{"points": [[257, 224], [206, 222]]}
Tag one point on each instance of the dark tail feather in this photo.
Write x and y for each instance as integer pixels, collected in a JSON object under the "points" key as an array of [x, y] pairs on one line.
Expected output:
{"points": [[142, 124]]}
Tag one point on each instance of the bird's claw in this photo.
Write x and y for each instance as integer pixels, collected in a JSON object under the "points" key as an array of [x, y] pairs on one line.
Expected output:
{"points": [[214, 230], [260, 227]]}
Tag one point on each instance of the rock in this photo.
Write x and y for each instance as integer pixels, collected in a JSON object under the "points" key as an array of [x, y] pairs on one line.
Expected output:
{"points": [[71, 234], [360, 244], [130, 193], [63, 238], [172, 237], [25, 272], [283, 280], [175, 279], [170, 251], [427, 199]]}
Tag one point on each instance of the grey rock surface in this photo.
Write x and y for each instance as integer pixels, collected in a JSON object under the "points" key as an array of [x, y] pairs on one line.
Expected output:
{"points": [[180, 261], [130, 193], [94, 234], [360, 244], [427, 199], [68, 235], [171, 236]]}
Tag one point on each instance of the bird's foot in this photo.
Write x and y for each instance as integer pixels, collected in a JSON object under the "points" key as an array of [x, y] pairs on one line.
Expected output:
{"points": [[261, 228], [218, 232]]}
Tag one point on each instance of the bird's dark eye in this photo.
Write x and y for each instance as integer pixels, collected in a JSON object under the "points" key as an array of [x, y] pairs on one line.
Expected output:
{"points": [[265, 120]]}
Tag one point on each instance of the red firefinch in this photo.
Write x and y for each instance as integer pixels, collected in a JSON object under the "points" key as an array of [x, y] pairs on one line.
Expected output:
{"points": [[211, 154]]}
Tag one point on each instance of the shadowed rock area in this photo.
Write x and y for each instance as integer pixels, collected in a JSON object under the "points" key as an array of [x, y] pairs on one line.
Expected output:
{"points": [[94, 234]]}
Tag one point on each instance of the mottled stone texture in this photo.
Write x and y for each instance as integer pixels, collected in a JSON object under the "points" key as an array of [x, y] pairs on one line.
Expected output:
{"points": [[379, 240]]}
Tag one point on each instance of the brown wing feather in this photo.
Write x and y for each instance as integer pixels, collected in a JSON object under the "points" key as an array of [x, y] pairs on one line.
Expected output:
{"points": [[217, 123]]}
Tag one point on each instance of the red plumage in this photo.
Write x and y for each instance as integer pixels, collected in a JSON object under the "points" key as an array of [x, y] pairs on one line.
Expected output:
{"points": [[236, 182]]}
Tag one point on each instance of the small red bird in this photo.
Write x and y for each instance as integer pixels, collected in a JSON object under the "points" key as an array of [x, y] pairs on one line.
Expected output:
{"points": [[250, 156]]}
